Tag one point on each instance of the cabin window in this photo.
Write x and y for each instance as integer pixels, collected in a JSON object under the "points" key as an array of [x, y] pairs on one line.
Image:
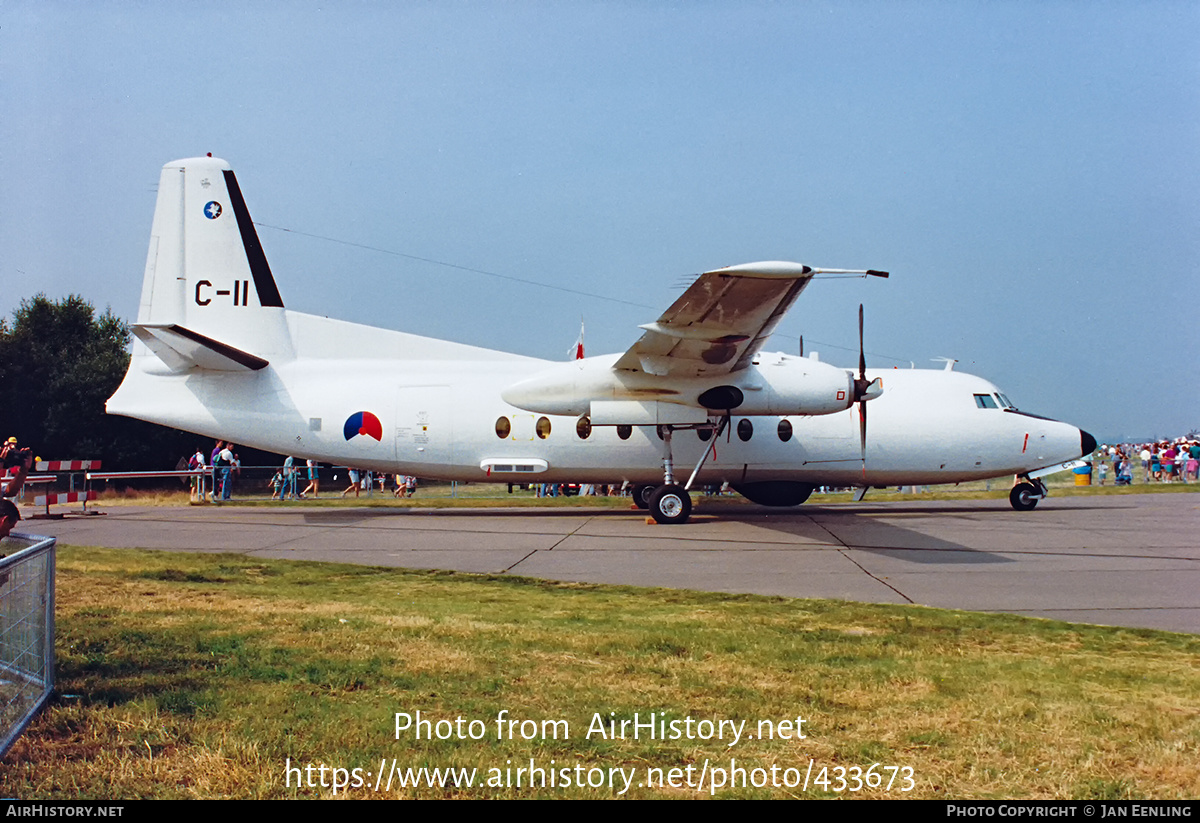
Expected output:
{"points": [[785, 430], [503, 428], [745, 429], [583, 427], [624, 432], [985, 401], [543, 427]]}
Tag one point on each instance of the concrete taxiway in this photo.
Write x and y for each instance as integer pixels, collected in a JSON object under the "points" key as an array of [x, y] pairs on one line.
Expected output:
{"points": [[1131, 560]]}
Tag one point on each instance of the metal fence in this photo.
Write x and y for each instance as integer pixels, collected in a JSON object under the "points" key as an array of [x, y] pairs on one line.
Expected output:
{"points": [[26, 632]]}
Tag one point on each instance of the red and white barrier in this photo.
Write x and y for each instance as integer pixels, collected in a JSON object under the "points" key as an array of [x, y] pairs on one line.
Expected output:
{"points": [[64, 497], [62, 467], [66, 465]]}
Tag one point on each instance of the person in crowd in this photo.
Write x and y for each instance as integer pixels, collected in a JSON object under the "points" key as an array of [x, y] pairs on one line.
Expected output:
{"points": [[17, 462], [314, 479], [355, 483]]}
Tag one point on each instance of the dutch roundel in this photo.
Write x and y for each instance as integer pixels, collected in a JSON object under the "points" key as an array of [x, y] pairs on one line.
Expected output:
{"points": [[363, 422]]}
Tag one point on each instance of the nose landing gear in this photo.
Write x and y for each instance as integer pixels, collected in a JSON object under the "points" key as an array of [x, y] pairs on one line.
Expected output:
{"points": [[1026, 493]]}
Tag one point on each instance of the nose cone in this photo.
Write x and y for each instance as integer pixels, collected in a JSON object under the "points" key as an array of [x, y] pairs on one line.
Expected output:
{"points": [[1087, 443]]}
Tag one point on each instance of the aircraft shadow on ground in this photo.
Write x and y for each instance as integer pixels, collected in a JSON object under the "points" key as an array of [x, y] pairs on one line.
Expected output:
{"points": [[853, 530], [840, 527], [336, 516]]}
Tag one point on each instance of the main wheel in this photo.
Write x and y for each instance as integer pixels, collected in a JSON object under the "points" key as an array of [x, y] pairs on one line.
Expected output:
{"points": [[670, 505], [641, 496], [1024, 497]]}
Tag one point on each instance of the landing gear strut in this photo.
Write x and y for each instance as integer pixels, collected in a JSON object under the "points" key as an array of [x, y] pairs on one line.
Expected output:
{"points": [[670, 503]]}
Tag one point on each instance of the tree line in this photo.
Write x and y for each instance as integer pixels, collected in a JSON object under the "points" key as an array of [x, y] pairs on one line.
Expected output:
{"points": [[59, 362]]}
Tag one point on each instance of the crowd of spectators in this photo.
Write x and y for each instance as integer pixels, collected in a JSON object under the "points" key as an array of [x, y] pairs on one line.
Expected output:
{"points": [[1163, 461]]}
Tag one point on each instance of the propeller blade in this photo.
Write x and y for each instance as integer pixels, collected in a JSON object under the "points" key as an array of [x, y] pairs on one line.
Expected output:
{"points": [[860, 389], [862, 357], [862, 433]]}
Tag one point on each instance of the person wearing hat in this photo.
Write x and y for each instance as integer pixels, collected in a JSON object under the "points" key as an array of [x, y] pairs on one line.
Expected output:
{"points": [[21, 461]]}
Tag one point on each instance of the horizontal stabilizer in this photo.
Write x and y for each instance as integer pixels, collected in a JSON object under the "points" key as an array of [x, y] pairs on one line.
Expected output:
{"points": [[183, 349]]}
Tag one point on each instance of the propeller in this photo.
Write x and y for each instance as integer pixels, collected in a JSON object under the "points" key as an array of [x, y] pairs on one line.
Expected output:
{"points": [[864, 390]]}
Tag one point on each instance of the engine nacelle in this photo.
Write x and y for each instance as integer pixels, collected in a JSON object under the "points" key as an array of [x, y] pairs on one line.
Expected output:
{"points": [[784, 385]]}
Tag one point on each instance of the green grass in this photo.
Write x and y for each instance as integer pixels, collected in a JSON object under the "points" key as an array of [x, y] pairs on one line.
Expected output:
{"points": [[203, 675]]}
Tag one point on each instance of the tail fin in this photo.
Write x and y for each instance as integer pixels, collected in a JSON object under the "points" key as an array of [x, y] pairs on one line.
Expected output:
{"points": [[207, 277]]}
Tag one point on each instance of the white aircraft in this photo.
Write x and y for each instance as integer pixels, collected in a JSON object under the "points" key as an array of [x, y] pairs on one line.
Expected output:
{"points": [[218, 354]]}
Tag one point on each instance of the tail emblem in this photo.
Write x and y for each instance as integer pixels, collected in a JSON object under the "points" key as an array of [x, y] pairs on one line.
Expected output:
{"points": [[212, 209], [363, 422]]}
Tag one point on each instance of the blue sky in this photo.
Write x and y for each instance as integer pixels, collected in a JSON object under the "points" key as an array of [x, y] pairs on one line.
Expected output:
{"points": [[1028, 172]]}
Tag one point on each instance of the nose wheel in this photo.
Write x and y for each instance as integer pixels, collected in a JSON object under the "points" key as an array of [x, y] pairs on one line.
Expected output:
{"points": [[1025, 495]]}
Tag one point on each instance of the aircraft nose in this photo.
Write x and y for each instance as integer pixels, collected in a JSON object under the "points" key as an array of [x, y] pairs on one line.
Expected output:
{"points": [[1087, 443]]}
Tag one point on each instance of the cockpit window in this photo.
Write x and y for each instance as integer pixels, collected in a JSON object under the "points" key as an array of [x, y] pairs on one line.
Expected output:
{"points": [[1004, 401], [985, 401]]}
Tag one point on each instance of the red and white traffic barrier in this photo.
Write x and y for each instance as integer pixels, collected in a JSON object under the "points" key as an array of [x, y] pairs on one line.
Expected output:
{"points": [[63, 497], [66, 465], [62, 467]]}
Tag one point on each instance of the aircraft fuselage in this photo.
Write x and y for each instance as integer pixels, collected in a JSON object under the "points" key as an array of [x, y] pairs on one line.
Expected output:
{"points": [[439, 419]]}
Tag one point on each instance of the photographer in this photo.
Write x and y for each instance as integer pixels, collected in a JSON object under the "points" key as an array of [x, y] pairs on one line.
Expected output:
{"points": [[19, 461]]}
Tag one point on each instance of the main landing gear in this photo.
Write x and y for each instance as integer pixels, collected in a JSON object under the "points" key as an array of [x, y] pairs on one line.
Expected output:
{"points": [[1026, 493], [641, 495], [670, 503]]}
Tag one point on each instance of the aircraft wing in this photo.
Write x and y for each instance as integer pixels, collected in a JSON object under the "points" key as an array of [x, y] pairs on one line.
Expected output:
{"points": [[720, 322]]}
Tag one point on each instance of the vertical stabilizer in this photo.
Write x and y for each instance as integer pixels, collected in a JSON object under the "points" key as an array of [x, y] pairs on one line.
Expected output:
{"points": [[206, 270]]}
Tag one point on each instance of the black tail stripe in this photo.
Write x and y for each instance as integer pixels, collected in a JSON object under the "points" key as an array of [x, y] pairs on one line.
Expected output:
{"points": [[236, 355], [264, 281]]}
